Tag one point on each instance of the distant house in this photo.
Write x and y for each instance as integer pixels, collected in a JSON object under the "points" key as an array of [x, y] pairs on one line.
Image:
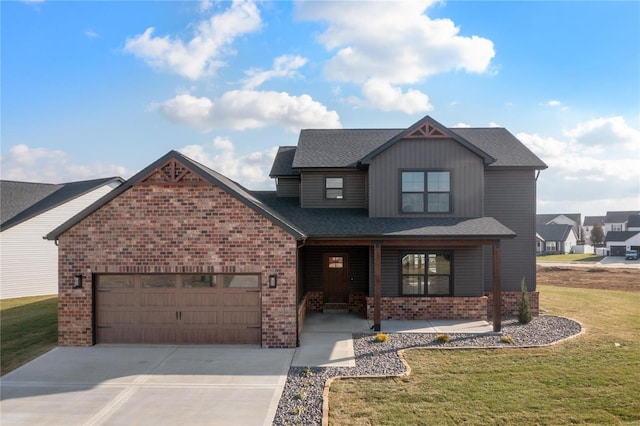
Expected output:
{"points": [[555, 239], [29, 211], [617, 221], [573, 219], [618, 242]]}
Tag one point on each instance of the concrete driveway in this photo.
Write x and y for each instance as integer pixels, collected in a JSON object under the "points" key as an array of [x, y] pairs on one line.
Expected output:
{"points": [[146, 385]]}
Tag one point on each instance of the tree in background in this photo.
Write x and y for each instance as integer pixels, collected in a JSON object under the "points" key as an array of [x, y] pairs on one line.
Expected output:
{"points": [[597, 234]]}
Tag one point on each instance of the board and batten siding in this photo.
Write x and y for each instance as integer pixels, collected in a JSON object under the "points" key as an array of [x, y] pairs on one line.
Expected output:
{"points": [[28, 263], [314, 267], [288, 187], [467, 271], [466, 169], [312, 190], [510, 198]]}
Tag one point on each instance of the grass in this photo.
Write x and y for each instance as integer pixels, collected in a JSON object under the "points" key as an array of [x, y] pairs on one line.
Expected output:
{"points": [[28, 328], [584, 380], [586, 257]]}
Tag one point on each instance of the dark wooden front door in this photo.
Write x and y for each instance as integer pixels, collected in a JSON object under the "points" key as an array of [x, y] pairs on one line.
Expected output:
{"points": [[336, 282]]}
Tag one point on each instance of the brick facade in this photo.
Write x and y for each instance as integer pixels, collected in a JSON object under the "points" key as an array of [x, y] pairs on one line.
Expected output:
{"points": [[510, 301], [424, 308], [188, 227]]}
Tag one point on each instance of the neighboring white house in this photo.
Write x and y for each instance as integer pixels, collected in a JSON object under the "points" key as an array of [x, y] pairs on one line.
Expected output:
{"points": [[617, 221], [28, 212], [555, 239], [618, 242]]}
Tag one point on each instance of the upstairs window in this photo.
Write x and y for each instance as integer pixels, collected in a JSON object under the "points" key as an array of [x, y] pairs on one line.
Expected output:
{"points": [[334, 188], [426, 192]]}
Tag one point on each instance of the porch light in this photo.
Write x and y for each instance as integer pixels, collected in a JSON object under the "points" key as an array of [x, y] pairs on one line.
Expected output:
{"points": [[78, 283], [273, 281]]}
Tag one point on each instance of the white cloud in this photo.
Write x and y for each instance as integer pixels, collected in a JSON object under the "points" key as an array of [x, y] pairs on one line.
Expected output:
{"points": [[393, 44], [201, 55], [283, 66], [461, 125], [205, 5], [554, 103], [91, 34], [251, 170], [595, 160], [249, 109], [24, 163], [494, 124], [380, 94]]}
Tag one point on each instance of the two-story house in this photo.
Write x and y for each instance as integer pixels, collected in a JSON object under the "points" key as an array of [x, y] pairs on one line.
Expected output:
{"points": [[425, 222]]}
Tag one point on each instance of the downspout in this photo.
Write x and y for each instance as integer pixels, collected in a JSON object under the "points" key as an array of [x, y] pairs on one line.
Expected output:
{"points": [[538, 174]]}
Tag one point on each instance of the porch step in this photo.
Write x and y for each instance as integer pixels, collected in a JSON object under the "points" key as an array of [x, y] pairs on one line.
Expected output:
{"points": [[335, 308]]}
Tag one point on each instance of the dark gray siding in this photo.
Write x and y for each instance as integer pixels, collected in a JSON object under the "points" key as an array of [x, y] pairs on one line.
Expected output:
{"points": [[313, 191], [314, 268], [467, 272], [288, 187], [510, 197], [466, 168]]}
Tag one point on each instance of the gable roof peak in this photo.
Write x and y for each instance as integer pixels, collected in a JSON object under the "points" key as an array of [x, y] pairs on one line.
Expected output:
{"points": [[428, 128]]}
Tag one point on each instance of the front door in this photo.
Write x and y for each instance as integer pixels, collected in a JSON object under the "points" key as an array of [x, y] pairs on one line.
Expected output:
{"points": [[336, 284]]}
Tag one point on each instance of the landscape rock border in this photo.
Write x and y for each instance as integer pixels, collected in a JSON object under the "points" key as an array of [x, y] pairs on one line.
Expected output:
{"points": [[305, 398]]}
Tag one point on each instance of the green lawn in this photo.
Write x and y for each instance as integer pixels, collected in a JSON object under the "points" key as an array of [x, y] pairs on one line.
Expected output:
{"points": [[587, 257], [586, 380], [28, 328]]}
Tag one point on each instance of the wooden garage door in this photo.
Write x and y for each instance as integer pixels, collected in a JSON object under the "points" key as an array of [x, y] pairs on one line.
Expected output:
{"points": [[178, 309]]}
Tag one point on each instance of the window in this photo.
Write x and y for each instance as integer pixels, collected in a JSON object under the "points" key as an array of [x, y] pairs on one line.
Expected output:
{"points": [[241, 281], [336, 262], [425, 192], [426, 274], [198, 281], [334, 189]]}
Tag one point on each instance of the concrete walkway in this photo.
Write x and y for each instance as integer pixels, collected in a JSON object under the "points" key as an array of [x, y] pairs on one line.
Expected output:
{"points": [[147, 385], [326, 339]]}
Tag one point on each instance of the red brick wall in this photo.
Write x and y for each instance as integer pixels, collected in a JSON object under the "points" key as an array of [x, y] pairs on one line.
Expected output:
{"points": [[510, 301], [315, 301], [192, 227], [414, 308]]}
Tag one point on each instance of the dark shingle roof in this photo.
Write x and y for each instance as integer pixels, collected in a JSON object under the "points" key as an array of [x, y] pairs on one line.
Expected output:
{"points": [[355, 223], [554, 232], [620, 236], [592, 220], [230, 186], [634, 221], [620, 217], [16, 197], [338, 147], [501, 145], [282, 163], [328, 148], [63, 193]]}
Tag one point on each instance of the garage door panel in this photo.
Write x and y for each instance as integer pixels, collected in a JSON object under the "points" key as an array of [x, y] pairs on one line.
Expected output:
{"points": [[200, 318], [250, 318], [199, 299], [242, 298], [115, 317], [118, 299], [149, 298], [184, 309]]}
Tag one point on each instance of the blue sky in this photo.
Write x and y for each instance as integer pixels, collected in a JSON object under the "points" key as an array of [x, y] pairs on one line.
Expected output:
{"points": [[102, 88]]}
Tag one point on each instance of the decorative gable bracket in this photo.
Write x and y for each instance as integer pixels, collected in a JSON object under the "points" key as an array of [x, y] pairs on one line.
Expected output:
{"points": [[171, 173], [426, 131]]}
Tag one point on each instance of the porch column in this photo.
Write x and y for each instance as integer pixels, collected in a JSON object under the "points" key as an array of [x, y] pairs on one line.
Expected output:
{"points": [[497, 290], [377, 284]]}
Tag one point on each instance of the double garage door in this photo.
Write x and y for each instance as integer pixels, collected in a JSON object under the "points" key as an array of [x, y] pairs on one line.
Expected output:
{"points": [[178, 309]]}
